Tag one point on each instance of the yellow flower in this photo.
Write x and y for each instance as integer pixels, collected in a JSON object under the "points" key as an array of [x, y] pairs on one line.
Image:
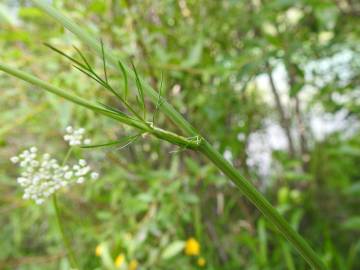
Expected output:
{"points": [[133, 265], [99, 250], [119, 260], [192, 247], [201, 262]]}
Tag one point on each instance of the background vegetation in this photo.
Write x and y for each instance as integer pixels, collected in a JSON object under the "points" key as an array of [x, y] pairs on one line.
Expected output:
{"points": [[274, 84]]}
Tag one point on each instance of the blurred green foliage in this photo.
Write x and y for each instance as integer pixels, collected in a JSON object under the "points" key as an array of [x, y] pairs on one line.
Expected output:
{"points": [[217, 58]]}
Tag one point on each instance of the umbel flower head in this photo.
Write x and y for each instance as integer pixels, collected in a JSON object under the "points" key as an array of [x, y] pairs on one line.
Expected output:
{"points": [[42, 175], [75, 136]]}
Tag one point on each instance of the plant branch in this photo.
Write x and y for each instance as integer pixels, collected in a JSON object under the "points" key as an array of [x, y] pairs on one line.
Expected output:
{"points": [[284, 120]]}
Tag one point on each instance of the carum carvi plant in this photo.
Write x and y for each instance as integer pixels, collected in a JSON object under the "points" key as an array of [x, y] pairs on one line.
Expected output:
{"points": [[189, 139]]}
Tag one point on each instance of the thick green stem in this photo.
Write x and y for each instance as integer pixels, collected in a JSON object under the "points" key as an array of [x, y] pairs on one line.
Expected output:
{"points": [[191, 143], [263, 205], [69, 250]]}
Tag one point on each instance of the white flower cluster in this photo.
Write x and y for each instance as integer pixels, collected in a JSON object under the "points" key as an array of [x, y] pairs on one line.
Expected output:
{"points": [[43, 175], [76, 136]]}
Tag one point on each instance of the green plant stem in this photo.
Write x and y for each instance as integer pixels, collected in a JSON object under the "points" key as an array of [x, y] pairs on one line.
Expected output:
{"points": [[68, 153], [216, 158], [69, 250], [263, 205]]}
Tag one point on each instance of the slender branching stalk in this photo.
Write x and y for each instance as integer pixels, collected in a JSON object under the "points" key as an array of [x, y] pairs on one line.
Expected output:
{"points": [[192, 139], [69, 250]]}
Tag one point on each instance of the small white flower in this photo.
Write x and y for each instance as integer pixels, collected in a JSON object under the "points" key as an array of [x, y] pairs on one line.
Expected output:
{"points": [[82, 162], [34, 163], [80, 180], [87, 141], [68, 175], [80, 131], [69, 129], [39, 201], [14, 159], [76, 167], [94, 175]]}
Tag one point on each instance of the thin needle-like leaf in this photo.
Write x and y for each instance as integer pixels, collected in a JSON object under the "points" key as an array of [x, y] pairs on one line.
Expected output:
{"points": [[84, 68], [141, 101], [65, 55], [83, 58], [103, 59], [87, 73], [126, 89], [124, 141], [130, 142], [159, 98], [110, 108]]}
